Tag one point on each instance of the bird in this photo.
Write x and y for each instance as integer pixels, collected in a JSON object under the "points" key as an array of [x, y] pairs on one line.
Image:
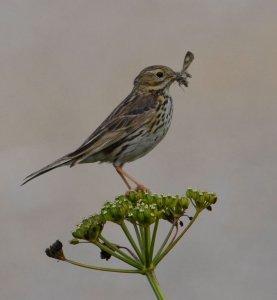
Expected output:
{"points": [[133, 128]]}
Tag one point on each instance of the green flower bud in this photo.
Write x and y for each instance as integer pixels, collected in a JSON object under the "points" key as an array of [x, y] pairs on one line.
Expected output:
{"points": [[159, 201], [170, 201], [116, 214], [201, 199], [132, 196], [140, 217], [90, 228], [140, 194], [106, 214], [146, 198], [195, 195], [184, 202], [212, 198], [121, 198], [74, 242], [147, 218], [116, 211], [189, 193], [79, 233], [93, 233]]}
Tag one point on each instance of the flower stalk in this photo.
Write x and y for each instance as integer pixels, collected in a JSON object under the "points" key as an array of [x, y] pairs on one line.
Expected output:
{"points": [[144, 212]]}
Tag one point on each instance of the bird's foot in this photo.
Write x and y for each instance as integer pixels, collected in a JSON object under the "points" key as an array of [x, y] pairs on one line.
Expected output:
{"points": [[141, 187]]}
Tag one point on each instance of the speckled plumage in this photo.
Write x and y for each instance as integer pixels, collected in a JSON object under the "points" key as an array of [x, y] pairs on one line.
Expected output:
{"points": [[135, 126]]}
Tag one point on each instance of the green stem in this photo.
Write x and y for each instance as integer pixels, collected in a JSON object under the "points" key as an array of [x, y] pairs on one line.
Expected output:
{"points": [[142, 247], [155, 285], [138, 235], [154, 238], [100, 268], [131, 240], [147, 245], [170, 246], [175, 234], [113, 253], [128, 250], [163, 245], [117, 249]]}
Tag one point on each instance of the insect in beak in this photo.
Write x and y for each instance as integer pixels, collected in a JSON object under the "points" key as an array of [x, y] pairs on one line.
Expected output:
{"points": [[181, 77]]}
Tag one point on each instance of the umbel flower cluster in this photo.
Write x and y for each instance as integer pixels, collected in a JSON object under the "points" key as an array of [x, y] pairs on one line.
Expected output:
{"points": [[142, 212]]}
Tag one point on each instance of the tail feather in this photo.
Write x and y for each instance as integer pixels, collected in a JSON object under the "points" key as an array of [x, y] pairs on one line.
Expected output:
{"points": [[57, 163]]}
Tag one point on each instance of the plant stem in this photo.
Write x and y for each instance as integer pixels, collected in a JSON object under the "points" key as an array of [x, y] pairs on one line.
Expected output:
{"points": [[155, 285], [170, 246], [138, 235], [117, 248], [100, 268], [140, 242], [142, 247], [131, 240], [147, 245], [175, 234], [163, 245], [130, 261], [153, 239]]}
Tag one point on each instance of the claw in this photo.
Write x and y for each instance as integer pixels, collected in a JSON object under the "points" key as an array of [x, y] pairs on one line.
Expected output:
{"points": [[141, 187]]}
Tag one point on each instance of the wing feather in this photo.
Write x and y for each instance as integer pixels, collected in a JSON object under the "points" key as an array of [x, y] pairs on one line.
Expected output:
{"points": [[132, 114]]}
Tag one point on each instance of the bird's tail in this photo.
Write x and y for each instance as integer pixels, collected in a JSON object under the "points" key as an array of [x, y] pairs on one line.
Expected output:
{"points": [[63, 161]]}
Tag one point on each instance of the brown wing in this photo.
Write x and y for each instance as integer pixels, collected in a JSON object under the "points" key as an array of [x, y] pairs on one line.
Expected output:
{"points": [[130, 115]]}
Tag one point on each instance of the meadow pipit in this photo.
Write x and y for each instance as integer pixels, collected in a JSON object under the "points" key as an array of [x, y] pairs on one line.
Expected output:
{"points": [[135, 126]]}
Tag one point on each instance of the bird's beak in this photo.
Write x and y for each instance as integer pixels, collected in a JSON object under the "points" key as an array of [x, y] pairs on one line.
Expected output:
{"points": [[176, 76]]}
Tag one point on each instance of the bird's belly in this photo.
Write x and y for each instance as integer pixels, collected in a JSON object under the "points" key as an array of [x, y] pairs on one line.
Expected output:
{"points": [[141, 145], [144, 141], [139, 142]]}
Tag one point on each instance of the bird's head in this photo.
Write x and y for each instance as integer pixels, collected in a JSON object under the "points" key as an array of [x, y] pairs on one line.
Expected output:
{"points": [[155, 78], [158, 77]]}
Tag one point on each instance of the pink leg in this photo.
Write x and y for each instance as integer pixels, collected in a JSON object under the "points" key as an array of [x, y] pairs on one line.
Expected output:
{"points": [[119, 171], [124, 174]]}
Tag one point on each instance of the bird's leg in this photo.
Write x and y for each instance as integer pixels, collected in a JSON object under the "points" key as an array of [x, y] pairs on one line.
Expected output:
{"points": [[124, 174], [119, 171]]}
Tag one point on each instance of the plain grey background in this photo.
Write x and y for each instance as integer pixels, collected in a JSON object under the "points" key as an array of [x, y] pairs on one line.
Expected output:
{"points": [[65, 65]]}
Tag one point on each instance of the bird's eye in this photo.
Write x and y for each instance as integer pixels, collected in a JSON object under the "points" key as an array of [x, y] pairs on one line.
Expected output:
{"points": [[160, 74]]}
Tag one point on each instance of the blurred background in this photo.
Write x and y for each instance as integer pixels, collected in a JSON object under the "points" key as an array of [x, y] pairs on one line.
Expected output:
{"points": [[65, 65]]}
